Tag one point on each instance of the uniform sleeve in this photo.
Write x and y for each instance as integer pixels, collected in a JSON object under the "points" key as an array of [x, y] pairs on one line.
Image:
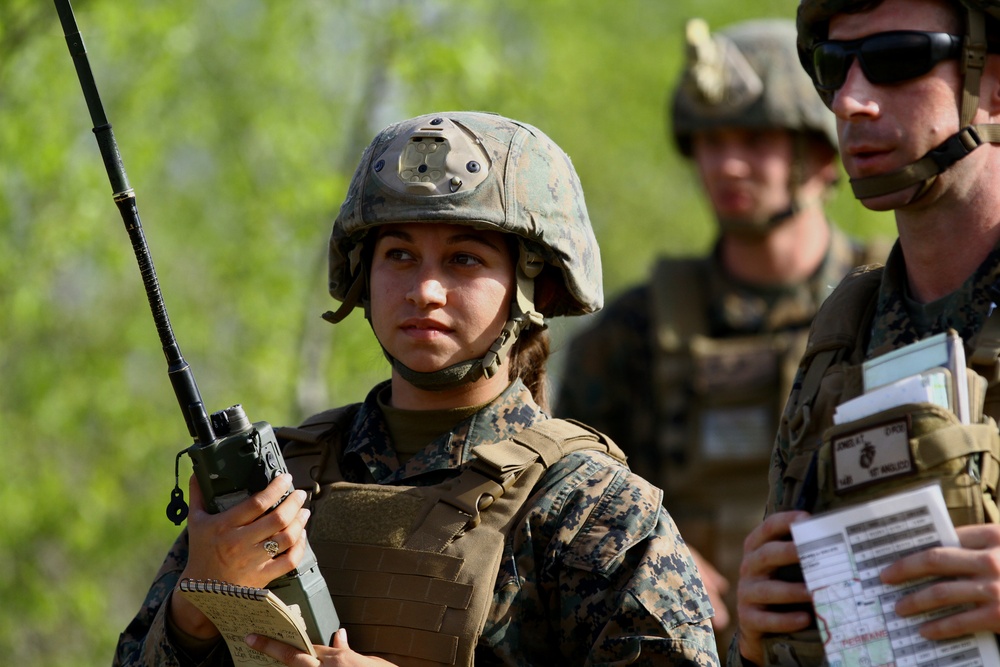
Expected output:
{"points": [[146, 642], [629, 592], [606, 376]]}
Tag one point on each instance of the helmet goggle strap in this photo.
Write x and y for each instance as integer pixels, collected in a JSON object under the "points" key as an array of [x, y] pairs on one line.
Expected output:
{"points": [[357, 292], [924, 171], [522, 316]]}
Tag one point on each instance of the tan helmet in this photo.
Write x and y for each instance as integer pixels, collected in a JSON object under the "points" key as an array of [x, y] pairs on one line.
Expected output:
{"points": [[813, 21], [747, 75], [485, 171]]}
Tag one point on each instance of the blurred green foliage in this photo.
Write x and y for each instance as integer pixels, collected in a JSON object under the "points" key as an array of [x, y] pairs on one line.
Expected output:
{"points": [[239, 122]]}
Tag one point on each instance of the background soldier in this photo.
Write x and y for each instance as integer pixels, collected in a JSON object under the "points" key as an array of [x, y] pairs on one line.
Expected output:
{"points": [[689, 371], [915, 86]]}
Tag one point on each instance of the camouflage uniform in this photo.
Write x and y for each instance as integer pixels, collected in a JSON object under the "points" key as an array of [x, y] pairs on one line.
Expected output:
{"points": [[592, 569], [689, 371], [610, 381], [897, 321], [565, 593], [872, 313]]}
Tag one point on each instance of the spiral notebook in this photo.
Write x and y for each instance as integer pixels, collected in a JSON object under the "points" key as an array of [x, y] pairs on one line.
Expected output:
{"points": [[238, 611]]}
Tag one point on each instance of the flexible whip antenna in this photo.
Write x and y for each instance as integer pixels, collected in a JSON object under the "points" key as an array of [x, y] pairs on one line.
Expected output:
{"points": [[181, 378]]}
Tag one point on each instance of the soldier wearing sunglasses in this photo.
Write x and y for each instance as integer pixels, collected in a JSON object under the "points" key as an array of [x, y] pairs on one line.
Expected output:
{"points": [[689, 370], [915, 87]]}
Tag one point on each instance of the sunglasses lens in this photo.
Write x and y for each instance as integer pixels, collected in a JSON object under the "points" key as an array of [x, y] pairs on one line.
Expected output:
{"points": [[896, 57], [830, 63]]}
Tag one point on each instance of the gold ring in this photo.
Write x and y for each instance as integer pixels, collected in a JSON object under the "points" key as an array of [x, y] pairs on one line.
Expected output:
{"points": [[271, 547]]}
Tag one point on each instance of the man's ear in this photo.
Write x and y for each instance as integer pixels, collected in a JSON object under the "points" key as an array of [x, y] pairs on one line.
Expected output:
{"points": [[989, 86]]}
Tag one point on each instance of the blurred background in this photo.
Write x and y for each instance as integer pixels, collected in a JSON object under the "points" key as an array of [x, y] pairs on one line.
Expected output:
{"points": [[240, 122]]}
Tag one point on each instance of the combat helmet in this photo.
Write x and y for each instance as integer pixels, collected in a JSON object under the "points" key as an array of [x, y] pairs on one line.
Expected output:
{"points": [[748, 76], [813, 22], [485, 171]]}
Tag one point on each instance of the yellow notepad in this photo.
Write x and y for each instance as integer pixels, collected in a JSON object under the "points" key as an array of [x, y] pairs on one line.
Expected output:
{"points": [[238, 611]]}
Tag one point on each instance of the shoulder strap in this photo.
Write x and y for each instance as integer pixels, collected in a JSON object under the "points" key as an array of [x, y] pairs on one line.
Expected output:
{"points": [[985, 358], [678, 297], [838, 332], [309, 447], [843, 319], [514, 466]]}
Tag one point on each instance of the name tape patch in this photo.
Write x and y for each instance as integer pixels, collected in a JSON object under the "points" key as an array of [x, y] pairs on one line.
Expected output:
{"points": [[872, 455]]}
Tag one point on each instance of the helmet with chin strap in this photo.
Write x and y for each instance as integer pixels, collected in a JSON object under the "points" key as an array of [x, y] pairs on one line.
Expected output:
{"points": [[488, 172], [747, 75], [813, 24]]}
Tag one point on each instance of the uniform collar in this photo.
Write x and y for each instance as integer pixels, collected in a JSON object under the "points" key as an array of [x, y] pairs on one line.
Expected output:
{"points": [[369, 444]]}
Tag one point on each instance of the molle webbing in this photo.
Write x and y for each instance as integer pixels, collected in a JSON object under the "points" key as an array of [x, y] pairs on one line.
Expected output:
{"points": [[415, 584]]}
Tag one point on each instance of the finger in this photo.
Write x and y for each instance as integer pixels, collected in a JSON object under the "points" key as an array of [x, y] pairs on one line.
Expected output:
{"points": [[944, 594], [762, 562], [771, 592], [280, 651], [196, 501], [285, 524], [984, 536], [261, 502], [775, 527], [762, 620], [940, 562], [340, 639], [978, 619]]}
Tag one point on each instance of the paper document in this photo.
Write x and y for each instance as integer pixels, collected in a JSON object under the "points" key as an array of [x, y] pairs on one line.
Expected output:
{"points": [[941, 350], [933, 386], [842, 554]]}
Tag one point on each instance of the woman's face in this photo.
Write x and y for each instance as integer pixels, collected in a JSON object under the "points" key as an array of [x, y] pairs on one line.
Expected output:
{"points": [[440, 294]]}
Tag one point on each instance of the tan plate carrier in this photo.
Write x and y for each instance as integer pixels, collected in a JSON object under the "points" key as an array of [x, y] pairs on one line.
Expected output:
{"points": [[412, 569]]}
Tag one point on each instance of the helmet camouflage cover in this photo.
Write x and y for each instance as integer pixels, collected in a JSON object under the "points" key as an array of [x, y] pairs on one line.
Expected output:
{"points": [[482, 170], [747, 75]]}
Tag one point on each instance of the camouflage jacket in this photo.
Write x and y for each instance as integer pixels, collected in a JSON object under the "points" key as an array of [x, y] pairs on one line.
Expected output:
{"points": [[565, 594], [608, 378], [897, 321]]}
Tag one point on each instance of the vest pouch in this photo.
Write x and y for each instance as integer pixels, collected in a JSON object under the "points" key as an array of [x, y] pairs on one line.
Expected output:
{"points": [[890, 451], [400, 595], [910, 445], [735, 384]]}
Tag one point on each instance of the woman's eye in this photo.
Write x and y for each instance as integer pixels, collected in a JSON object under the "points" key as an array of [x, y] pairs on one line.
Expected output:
{"points": [[467, 260], [397, 254]]}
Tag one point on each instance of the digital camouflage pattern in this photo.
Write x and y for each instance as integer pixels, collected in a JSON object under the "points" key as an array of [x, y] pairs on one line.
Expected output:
{"points": [[602, 576], [530, 189], [748, 76], [608, 383], [594, 573], [897, 321]]}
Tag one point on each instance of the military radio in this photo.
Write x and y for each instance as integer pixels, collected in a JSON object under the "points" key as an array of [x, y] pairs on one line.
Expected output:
{"points": [[232, 458]]}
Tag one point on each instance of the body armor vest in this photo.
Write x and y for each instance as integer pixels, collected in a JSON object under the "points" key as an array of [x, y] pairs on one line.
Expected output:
{"points": [[964, 458], [719, 401], [412, 569]]}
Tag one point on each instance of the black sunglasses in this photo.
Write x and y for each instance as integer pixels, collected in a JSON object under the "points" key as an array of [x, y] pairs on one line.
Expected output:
{"points": [[885, 57]]}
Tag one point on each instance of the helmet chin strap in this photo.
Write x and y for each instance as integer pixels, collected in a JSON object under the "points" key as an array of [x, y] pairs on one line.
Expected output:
{"points": [[522, 316], [925, 171]]}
